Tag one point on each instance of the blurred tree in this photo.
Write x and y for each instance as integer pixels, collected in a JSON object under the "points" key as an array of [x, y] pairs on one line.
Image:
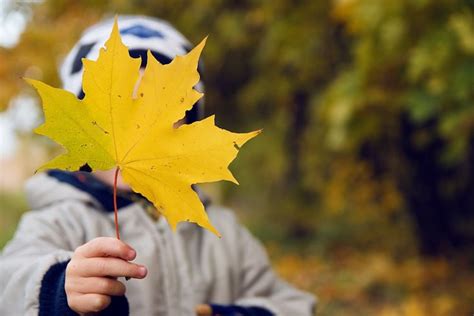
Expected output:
{"points": [[405, 104]]}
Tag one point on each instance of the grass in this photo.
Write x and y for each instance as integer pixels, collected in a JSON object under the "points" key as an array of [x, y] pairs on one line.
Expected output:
{"points": [[12, 206]]}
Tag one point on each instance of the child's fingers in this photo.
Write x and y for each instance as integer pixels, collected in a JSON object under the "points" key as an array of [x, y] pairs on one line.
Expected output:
{"points": [[111, 267], [106, 247], [97, 285], [203, 310], [89, 303]]}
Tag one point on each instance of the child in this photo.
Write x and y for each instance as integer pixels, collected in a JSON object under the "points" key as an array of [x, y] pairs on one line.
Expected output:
{"points": [[58, 263]]}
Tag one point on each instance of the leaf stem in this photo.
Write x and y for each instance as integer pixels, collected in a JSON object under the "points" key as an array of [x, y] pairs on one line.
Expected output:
{"points": [[115, 204]]}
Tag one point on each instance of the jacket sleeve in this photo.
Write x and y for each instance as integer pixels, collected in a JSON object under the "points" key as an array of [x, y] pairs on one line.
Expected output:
{"points": [[33, 263], [261, 287]]}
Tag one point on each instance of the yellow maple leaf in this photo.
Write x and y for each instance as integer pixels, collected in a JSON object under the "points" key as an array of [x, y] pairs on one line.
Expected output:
{"points": [[120, 126]]}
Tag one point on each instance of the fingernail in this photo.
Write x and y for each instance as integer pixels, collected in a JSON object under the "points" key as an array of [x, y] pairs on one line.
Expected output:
{"points": [[131, 254], [142, 271]]}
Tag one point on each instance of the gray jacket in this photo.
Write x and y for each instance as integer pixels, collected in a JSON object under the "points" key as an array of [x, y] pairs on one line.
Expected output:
{"points": [[185, 268]]}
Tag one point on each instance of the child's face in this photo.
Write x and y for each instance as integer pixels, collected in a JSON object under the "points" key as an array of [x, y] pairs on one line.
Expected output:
{"points": [[108, 177]]}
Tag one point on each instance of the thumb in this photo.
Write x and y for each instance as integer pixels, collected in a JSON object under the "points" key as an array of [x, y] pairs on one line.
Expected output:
{"points": [[203, 310]]}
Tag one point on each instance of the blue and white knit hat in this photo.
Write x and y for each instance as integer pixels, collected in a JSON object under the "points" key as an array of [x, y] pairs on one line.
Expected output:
{"points": [[139, 34]]}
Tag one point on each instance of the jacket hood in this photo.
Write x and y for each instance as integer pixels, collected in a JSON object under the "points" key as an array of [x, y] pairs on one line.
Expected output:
{"points": [[55, 185], [42, 190]]}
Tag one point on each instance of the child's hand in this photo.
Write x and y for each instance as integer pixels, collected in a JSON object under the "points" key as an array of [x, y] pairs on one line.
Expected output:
{"points": [[91, 275], [203, 310]]}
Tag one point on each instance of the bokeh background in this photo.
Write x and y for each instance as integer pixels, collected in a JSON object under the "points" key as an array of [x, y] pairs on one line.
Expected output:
{"points": [[362, 184]]}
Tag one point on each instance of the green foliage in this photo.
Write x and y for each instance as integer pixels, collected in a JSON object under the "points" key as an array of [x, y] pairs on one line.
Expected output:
{"points": [[412, 57]]}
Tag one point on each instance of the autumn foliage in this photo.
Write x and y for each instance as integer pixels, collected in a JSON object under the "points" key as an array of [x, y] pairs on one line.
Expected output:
{"points": [[127, 122]]}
